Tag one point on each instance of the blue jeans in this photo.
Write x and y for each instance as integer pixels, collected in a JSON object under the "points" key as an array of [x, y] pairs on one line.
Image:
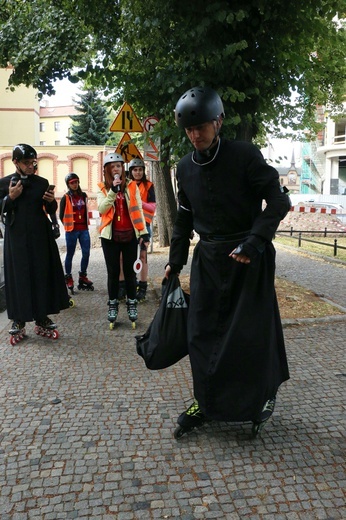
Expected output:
{"points": [[71, 241]]}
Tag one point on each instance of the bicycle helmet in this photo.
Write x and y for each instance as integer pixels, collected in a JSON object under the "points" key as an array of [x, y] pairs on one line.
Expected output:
{"points": [[70, 176], [113, 157], [198, 105], [23, 151], [134, 163]]}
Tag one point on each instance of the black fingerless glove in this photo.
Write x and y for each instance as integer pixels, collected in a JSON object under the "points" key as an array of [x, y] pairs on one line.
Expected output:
{"points": [[252, 247], [175, 269], [145, 238]]}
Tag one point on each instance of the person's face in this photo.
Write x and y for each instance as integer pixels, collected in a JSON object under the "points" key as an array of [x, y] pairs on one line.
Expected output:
{"points": [[73, 184], [26, 166], [137, 172], [116, 168], [201, 136]]}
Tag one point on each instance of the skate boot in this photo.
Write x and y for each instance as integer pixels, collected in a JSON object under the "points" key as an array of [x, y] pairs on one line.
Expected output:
{"points": [[266, 413], [189, 420], [122, 291], [112, 312], [142, 291], [132, 311], [84, 283], [46, 328], [56, 230], [17, 332], [69, 283]]}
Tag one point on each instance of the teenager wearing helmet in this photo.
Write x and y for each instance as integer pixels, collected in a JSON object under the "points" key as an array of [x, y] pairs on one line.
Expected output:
{"points": [[122, 228], [34, 279], [73, 212], [236, 344], [147, 192]]}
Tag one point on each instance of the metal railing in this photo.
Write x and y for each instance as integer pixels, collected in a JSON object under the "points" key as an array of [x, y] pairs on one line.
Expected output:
{"points": [[300, 239]]}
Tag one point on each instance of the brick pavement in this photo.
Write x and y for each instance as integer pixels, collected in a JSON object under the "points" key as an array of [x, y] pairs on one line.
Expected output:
{"points": [[106, 451]]}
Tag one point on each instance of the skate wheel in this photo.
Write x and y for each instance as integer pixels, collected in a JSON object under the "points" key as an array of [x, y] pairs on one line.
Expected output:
{"points": [[180, 431], [91, 288], [13, 340], [111, 325], [133, 324], [257, 428], [71, 303], [55, 334]]}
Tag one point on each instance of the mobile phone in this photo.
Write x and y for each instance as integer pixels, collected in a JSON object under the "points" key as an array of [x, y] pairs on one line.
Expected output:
{"points": [[51, 187]]}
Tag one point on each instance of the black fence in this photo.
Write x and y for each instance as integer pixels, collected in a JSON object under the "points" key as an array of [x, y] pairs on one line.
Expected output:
{"points": [[298, 235]]}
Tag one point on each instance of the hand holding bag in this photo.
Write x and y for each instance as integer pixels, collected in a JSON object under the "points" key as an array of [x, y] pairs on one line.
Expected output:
{"points": [[165, 341]]}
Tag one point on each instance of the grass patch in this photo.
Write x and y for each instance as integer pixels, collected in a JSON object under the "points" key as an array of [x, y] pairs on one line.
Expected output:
{"points": [[318, 248]]}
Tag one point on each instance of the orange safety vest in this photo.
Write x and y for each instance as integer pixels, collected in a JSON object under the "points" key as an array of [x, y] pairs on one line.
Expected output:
{"points": [[134, 211], [144, 188], [68, 215]]}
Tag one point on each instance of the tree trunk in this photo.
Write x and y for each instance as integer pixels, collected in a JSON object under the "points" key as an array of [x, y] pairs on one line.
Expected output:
{"points": [[166, 205]]}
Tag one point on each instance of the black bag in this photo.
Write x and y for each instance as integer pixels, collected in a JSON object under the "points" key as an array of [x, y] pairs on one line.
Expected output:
{"points": [[165, 341]]}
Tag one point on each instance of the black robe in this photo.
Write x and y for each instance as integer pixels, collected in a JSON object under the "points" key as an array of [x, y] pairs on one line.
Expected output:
{"points": [[34, 278], [236, 344]]}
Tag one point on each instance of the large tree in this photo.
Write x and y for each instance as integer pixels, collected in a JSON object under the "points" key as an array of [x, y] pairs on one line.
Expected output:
{"points": [[259, 55]]}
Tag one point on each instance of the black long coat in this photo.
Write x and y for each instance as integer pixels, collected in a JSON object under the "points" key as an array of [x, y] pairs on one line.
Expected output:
{"points": [[236, 344], [34, 279]]}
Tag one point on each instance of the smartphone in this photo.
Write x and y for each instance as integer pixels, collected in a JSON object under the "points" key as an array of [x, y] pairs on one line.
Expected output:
{"points": [[51, 187]]}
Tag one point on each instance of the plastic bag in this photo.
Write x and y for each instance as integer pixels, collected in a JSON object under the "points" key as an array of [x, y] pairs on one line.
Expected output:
{"points": [[165, 341]]}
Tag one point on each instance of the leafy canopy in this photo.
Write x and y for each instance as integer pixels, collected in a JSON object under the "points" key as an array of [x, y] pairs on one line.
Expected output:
{"points": [[256, 54]]}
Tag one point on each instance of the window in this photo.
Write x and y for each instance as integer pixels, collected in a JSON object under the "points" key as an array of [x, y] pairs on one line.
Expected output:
{"points": [[56, 143], [57, 126], [42, 143], [42, 127]]}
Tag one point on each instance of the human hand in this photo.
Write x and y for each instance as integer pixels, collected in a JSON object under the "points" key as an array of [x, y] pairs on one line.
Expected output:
{"points": [[15, 191], [239, 256], [48, 196]]}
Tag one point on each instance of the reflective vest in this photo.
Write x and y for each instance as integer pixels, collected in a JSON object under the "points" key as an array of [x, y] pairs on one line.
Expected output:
{"points": [[144, 188], [131, 200], [68, 215]]}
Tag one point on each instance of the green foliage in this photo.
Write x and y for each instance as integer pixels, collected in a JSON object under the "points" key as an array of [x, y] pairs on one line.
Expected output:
{"points": [[91, 125]]}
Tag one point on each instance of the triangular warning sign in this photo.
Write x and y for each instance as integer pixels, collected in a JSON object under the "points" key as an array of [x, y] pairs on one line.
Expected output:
{"points": [[127, 149], [126, 120]]}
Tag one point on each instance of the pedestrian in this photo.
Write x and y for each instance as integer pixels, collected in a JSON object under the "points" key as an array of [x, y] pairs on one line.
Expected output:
{"points": [[34, 278], [122, 228], [235, 337], [73, 213], [147, 192]]}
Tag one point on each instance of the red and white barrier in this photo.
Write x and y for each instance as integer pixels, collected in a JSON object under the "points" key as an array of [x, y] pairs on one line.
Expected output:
{"points": [[310, 209]]}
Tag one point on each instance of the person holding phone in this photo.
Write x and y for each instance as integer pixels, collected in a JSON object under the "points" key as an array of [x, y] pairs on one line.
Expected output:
{"points": [[34, 278]]}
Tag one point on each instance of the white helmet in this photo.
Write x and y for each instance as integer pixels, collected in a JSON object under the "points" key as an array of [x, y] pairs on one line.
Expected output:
{"points": [[113, 157]]}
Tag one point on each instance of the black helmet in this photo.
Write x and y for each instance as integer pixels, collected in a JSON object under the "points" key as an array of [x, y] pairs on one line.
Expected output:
{"points": [[23, 151], [197, 106], [70, 176]]}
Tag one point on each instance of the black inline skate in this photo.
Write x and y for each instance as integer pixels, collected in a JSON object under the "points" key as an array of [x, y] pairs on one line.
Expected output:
{"points": [[46, 328], [84, 283], [17, 332], [132, 311], [112, 312], [266, 413], [192, 418], [122, 291], [142, 291], [69, 283]]}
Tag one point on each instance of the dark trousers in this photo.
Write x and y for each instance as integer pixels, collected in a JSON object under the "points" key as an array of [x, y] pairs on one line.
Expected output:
{"points": [[111, 252]]}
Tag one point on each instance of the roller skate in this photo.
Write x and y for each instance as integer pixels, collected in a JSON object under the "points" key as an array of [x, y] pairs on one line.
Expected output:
{"points": [[192, 418], [266, 413], [69, 283], [122, 291], [112, 312], [142, 291], [84, 283], [132, 311], [56, 230], [17, 332], [46, 328]]}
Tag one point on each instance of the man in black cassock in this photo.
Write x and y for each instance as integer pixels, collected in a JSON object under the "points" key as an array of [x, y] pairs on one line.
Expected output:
{"points": [[235, 337]]}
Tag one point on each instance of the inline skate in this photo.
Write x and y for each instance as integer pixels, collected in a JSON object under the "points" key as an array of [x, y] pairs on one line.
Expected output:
{"points": [[132, 311], [69, 283], [84, 283], [192, 418], [17, 332], [122, 290], [46, 328], [266, 413], [142, 291], [112, 312]]}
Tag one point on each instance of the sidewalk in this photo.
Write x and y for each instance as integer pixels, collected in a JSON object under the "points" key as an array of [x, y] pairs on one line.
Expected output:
{"points": [[106, 450]]}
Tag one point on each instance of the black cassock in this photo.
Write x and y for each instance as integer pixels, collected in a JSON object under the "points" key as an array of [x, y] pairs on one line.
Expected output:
{"points": [[236, 344], [34, 278]]}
